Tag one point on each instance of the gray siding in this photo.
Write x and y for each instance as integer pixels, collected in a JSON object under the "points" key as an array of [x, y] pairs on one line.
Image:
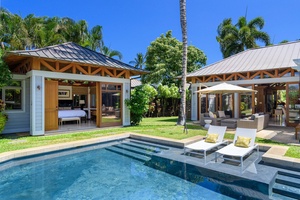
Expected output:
{"points": [[126, 116], [38, 121], [194, 106], [20, 121]]}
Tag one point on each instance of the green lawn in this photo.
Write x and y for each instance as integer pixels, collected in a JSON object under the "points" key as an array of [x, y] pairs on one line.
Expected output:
{"points": [[162, 126]]}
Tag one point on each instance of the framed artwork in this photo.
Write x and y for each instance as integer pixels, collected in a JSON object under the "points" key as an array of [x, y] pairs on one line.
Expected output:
{"points": [[64, 94]]}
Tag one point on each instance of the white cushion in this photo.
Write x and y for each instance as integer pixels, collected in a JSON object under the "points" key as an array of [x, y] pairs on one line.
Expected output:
{"points": [[211, 114], [221, 114]]}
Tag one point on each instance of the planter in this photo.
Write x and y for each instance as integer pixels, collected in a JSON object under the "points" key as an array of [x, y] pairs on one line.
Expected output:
{"points": [[3, 120]]}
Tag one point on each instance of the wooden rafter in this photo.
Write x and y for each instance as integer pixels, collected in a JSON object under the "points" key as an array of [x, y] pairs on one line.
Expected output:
{"points": [[285, 72], [23, 67], [66, 67], [43, 62], [108, 72], [81, 69]]}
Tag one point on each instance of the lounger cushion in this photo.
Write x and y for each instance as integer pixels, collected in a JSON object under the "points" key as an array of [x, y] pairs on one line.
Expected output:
{"points": [[242, 141], [212, 138]]}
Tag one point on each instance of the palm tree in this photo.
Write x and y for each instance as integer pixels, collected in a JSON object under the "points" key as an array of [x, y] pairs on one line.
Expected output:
{"points": [[95, 38], [244, 35], [139, 61], [183, 22], [34, 25], [110, 53]]}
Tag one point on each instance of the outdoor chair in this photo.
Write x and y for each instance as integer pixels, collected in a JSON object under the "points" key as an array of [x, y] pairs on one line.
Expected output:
{"points": [[216, 133], [243, 144]]}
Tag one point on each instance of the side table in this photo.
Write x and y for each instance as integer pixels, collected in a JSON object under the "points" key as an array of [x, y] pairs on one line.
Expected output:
{"points": [[207, 123]]}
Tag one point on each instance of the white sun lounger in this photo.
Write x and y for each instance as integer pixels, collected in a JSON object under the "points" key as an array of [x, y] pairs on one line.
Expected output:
{"points": [[241, 152], [201, 147]]}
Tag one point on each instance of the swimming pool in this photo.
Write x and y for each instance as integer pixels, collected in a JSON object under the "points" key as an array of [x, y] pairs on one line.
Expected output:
{"points": [[115, 170]]}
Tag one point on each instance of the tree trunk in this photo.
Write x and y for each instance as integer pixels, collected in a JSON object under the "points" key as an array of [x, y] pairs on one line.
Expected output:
{"points": [[183, 22]]}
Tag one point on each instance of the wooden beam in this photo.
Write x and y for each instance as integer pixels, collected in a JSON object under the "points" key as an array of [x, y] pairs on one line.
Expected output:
{"points": [[48, 66], [269, 74], [284, 72], [120, 74], [21, 65], [66, 67], [255, 74], [240, 75], [96, 71], [81, 69], [57, 66], [229, 77], [108, 72], [35, 64]]}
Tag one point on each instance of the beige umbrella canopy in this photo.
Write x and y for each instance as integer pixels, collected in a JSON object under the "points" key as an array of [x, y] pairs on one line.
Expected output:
{"points": [[224, 88]]}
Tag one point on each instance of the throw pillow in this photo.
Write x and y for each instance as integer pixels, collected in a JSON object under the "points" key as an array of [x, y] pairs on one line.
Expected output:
{"points": [[222, 114], [252, 117], [242, 141], [212, 138], [211, 114]]}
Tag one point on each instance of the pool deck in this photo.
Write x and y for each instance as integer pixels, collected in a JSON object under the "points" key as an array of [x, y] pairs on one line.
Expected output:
{"points": [[271, 155]]}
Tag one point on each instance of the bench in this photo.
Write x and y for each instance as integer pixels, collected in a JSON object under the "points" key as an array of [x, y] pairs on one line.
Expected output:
{"points": [[62, 120]]}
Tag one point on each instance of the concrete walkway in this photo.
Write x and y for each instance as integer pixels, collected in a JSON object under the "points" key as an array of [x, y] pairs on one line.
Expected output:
{"points": [[277, 133]]}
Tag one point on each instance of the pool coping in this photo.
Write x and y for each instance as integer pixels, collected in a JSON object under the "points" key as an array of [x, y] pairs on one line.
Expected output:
{"points": [[274, 153]]}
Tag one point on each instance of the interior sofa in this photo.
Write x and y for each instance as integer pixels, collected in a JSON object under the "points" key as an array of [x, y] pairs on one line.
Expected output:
{"points": [[257, 121]]}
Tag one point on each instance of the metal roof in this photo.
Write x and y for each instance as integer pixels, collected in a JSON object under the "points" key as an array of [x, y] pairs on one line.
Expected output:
{"points": [[72, 52], [264, 58], [135, 83]]}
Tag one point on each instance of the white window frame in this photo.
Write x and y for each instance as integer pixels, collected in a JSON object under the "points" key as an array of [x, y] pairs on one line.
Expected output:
{"points": [[22, 87]]}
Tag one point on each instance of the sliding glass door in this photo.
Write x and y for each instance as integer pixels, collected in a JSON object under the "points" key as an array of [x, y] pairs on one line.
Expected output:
{"points": [[111, 104]]}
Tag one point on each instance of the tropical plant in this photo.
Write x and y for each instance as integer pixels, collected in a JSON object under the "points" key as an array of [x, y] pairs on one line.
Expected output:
{"points": [[5, 75], [110, 53], [96, 38], [138, 104], [3, 115], [139, 61], [164, 60], [163, 93], [244, 35], [175, 96]]}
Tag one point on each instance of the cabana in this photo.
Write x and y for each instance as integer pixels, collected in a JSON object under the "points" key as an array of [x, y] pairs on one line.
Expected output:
{"points": [[65, 77]]}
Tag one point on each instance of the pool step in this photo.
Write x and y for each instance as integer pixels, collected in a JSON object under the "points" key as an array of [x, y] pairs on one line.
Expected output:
{"points": [[145, 152], [130, 154], [143, 147], [287, 185]]}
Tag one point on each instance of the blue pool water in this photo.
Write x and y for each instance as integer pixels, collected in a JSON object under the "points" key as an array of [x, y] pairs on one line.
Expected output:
{"points": [[102, 174]]}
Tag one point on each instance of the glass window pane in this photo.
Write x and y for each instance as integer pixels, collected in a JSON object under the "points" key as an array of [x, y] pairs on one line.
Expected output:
{"points": [[294, 104], [246, 105], [13, 99]]}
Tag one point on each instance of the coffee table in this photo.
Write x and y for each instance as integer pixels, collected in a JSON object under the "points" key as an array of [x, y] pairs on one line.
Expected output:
{"points": [[230, 123]]}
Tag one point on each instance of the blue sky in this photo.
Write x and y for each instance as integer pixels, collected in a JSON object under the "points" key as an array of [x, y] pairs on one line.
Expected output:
{"points": [[130, 26]]}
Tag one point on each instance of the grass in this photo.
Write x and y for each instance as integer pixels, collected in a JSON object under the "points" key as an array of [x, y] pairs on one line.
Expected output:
{"points": [[162, 127]]}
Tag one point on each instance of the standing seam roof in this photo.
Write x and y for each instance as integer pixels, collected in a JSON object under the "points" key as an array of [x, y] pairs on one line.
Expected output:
{"points": [[75, 53], [264, 58]]}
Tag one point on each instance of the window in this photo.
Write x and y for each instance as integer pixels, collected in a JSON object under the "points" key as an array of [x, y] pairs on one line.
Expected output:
{"points": [[13, 96]]}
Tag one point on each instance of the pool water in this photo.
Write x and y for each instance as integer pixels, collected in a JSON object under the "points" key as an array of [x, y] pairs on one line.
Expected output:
{"points": [[101, 174]]}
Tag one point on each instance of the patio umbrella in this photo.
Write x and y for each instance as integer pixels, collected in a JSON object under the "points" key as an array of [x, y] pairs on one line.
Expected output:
{"points": [[224, 88]]}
